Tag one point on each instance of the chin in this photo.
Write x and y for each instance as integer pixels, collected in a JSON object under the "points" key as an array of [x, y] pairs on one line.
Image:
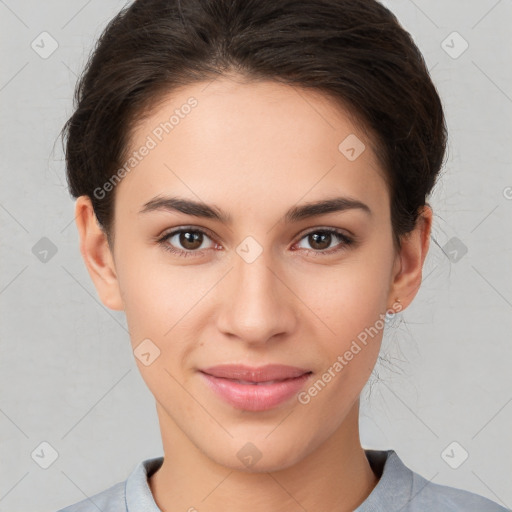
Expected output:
{"points": [[259, 456]]}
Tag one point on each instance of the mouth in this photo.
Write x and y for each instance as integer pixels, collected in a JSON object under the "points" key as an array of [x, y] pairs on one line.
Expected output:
{"points": [[264, 383], [249, 374], [255, 389]]}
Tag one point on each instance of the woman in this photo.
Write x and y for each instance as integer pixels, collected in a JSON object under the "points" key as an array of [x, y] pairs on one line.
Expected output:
{"points": [[252, 181]]}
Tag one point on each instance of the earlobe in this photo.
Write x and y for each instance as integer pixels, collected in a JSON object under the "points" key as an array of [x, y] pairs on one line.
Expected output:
{"points": [[411, 257], [97, 254]]}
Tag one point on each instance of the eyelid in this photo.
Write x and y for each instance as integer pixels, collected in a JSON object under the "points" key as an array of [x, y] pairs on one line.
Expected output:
{"points": [[167, 234], [210, 233], [339, 231], [347, 239], [178, 229]]}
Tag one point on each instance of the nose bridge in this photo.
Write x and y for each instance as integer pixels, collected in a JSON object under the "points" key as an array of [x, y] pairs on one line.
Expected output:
{"points": [[256, 303]]}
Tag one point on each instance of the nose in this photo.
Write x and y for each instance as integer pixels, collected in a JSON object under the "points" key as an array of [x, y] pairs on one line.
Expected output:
{"points": [[257, 304]]}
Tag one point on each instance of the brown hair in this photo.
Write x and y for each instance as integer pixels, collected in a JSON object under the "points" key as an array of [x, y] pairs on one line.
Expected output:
{"points": [[354, 51]]}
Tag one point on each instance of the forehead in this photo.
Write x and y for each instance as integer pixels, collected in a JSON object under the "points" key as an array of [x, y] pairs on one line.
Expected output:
{"points": [[244, 143]]}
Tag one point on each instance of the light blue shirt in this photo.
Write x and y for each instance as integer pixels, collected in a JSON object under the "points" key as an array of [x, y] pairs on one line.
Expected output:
{"points": [[398, 489]]}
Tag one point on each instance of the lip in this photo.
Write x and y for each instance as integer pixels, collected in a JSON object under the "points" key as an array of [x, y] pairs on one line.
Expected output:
{"points": [[260, 389]]}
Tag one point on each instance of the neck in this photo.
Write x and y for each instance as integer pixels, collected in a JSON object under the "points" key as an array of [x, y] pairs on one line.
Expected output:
{"points": [[334, 476]]}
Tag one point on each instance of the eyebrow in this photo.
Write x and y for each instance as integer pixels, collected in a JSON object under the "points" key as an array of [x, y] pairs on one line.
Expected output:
{"points": [[294, 214]]}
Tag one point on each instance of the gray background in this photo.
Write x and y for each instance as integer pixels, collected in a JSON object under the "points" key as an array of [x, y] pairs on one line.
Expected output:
{"points": [[67, 374]]}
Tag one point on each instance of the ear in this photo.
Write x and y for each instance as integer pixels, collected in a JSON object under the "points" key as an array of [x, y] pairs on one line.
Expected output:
{"points": [[97, 255], [408, 267]]}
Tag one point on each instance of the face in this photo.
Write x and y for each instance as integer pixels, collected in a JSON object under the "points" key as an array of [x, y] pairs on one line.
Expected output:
{"points": [[253, 280]]}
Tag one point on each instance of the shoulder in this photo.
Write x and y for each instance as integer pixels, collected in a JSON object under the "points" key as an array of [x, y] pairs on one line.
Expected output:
{"points": [[430, 496], [400, 488], [132, 494], [109, 500]]}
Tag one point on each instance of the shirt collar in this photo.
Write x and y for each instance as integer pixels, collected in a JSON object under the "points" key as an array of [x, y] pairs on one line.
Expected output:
{"points": [[138, 494], [392, 491]]}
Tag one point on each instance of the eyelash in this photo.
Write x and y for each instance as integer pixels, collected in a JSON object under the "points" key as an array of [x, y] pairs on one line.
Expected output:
{"points": [[346, 241]]}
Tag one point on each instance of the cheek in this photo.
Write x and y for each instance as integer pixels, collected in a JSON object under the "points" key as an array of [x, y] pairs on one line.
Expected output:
{"points": [[349, 301], [162, 304], [156, 303], [350, 296], [150, 299], [152, 291]]}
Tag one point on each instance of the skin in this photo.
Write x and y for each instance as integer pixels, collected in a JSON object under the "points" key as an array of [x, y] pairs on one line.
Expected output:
{"points": [[254, 150]]}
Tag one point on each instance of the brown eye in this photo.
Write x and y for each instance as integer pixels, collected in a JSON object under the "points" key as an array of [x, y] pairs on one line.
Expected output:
{"points": [[185, 241], [190, 240], [320, 241]]}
